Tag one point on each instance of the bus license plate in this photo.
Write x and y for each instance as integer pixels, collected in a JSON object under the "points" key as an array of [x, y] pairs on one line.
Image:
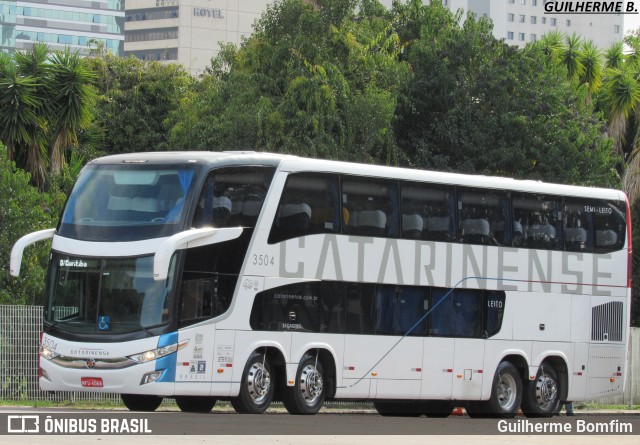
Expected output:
{"points": [[91, 382]]}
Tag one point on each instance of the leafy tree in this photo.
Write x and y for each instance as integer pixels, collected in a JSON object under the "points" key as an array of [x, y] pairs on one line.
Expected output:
{"points": [[314, 79], [477, 105], [24, 209], [134, 99]]}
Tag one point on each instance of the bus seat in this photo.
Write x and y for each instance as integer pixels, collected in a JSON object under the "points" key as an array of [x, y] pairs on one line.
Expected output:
{"points": [[412, 226], [147, 205], [119, 203], [437, 227], [371, 223], [476, 230], [606, 238], [295, 216], [541, 236], [575, 238], [250, 211], [221, 211]]}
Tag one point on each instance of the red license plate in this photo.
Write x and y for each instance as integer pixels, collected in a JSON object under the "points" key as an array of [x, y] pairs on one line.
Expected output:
{"points": [[92, 382]]}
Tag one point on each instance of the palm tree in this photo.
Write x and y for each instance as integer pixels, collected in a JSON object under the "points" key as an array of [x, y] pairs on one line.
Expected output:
{"points": [[22, 125], [571, 57], [71, 103], [591, 60], [614, 56], [621, 99]]}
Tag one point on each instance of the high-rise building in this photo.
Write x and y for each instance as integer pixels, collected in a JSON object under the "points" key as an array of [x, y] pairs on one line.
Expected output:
{"points": [[62, 23], [187, 32], [519, 22]]}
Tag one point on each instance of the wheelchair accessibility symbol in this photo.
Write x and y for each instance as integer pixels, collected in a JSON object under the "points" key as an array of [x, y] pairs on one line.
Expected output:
{"points": [[104, 323]]}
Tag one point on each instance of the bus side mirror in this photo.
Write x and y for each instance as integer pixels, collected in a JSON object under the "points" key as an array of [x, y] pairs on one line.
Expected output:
{"points": [[18, 248], [186, 239]]}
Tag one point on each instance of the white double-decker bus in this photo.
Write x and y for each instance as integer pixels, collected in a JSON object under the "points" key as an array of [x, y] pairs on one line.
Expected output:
{"points": [[254, 277]]}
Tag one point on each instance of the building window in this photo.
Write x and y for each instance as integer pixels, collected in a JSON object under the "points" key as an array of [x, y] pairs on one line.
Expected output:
{"points": [[544, 20], [534, 2], [510, 17], [521, 36], [521, 18], [510, 35], [616, 29], [532, 38], [568, 23], [534, 19], [553, 22], [147, 35], [523, 2], [512, 2]]}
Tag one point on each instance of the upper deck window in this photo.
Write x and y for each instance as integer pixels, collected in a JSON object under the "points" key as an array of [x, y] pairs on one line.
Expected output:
{"points": [[232, 196], [127, 203]]}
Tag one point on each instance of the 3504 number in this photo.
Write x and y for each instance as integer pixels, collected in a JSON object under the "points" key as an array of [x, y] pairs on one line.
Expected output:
{"points": [[263, 260]]}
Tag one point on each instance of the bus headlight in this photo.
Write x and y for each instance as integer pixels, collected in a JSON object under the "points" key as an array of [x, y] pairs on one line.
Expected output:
{"points": [[154, 354], [48, 353]]}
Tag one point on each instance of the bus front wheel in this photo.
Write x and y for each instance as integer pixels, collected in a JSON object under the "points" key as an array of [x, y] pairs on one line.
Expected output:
{"points": [[306, 396], [257, 386], [139, 402], [542, 397]]}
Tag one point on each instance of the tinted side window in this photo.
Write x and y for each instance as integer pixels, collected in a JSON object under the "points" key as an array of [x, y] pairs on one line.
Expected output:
{"points": [[578, 226], [537, 222], [610, 226], [594, 226], [232, 197], [309, 204], [428, 212], [370, 207], [484, 218], [399, 308]]}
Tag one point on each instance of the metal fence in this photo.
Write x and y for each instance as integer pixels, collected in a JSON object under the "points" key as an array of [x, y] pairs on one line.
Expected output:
{"points": [[19, 340], [20, 337]]}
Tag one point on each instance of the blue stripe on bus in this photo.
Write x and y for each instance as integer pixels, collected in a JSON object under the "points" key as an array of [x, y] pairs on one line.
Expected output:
{"points": [[167, 363]]}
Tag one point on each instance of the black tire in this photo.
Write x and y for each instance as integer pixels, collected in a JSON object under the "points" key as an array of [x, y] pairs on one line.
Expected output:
{"points": [[195, 404], [139, 402], [399, 409], [542, 396], [257, 386], [506, 395], [306, 396]]}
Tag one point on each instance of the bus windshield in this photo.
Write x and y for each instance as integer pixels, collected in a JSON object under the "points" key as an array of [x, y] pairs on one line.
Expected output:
{"points": [[127, 203], [115, 295]]}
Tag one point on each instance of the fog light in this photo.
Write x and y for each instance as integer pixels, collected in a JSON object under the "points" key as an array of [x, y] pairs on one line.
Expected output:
{"points": [[151, 377]]}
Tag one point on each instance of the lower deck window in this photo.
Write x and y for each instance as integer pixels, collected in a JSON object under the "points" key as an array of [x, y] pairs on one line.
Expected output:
{"points": [[372, 309]]}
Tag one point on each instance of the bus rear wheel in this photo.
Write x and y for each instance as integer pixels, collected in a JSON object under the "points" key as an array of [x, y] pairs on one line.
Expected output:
{"points": [[257, 386], [542, 398], [306, 396], [506, 395], [140, 402], [195, 404]]}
